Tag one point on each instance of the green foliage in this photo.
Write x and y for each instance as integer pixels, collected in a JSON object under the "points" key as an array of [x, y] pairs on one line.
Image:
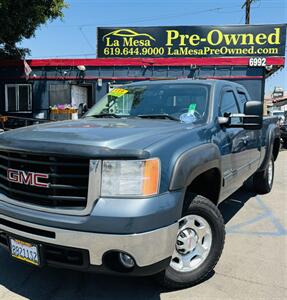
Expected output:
{"points": [[19, 19]]}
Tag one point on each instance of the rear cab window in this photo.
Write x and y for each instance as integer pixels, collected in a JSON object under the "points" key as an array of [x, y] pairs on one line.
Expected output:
{"points": [[229, 104], [242, 99]]}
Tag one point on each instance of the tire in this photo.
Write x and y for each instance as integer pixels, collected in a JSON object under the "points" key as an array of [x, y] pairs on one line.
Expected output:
{"points": [[203, 210], [263, 181]]}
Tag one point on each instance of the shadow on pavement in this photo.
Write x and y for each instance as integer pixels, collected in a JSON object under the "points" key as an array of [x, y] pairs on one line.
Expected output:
{"points": [[47, 283], [232, 205], [53, 284]]}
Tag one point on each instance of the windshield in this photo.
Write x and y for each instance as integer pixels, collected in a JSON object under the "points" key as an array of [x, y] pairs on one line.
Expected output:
{"points": [[182, 102]]}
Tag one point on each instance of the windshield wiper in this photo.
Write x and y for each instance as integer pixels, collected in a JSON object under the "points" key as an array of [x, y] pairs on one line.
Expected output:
{"points": [[158, 116]]}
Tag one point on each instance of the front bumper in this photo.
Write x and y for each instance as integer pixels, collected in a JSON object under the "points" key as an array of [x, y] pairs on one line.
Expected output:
{"points": [[146, 248], [108, 215]]}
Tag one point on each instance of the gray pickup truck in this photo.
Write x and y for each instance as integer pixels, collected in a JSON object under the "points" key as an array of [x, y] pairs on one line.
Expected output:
{"points": [[132, 188]]}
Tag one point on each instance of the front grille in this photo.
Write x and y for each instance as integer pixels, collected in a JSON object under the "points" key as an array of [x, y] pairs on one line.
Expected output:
{"points": [[67, 179], [27, 229]]}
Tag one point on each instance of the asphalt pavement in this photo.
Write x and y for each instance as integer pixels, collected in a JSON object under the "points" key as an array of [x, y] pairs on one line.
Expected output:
{"points": [[253, 264]]}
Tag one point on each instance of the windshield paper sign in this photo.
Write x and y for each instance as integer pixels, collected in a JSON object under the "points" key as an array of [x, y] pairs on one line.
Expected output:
{"points": [[192, 41], [118, 92]]}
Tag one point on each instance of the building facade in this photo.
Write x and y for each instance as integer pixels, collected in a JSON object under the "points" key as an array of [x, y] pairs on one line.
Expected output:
{"points": [[74, 82]]}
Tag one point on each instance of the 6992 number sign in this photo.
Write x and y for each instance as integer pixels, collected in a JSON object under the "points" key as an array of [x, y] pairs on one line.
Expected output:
{"points": [[257, 62]]}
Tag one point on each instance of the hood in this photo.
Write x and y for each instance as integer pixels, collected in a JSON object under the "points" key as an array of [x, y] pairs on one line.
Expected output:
{"points": [[97, 133]]}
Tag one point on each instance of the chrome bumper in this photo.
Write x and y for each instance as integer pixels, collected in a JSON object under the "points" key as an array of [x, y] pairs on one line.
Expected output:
{"points": [[147, 248]]}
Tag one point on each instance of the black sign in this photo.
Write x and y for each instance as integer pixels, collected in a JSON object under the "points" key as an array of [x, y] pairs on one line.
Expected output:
{"points": [[192, 41]]}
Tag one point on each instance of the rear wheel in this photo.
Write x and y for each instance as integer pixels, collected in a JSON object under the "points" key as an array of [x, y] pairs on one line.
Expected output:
{"points": [[263, 180], [200, 241]]}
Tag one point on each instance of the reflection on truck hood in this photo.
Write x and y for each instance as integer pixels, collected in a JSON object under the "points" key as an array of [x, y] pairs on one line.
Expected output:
{"points": [[110, 133]]}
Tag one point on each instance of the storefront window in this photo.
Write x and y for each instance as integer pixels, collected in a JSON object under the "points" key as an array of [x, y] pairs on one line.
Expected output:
{"points": [[59, 94], [18, 97]]}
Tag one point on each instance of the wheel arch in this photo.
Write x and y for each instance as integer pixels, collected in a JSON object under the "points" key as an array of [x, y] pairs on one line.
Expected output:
{"points": [[272, 143], [197, 169], [207, 184]]}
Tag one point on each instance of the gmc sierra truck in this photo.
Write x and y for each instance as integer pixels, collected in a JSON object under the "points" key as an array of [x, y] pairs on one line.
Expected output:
{"points": [[133, 187]]}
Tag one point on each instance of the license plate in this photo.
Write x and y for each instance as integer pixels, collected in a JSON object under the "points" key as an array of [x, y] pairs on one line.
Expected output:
{"points": [[25, 251]]}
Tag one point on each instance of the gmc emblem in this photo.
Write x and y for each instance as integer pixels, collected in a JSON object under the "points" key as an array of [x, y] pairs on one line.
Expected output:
{"points": [[27, 178]]}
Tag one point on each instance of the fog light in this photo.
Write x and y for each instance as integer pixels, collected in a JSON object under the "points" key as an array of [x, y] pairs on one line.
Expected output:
{"points": [[126, 260]]}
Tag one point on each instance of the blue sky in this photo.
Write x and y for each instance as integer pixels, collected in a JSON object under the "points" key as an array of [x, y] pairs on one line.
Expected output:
{"points": [[75, 36]]}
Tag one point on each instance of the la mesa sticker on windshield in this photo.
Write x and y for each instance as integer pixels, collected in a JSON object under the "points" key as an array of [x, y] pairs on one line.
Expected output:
{"points": [[118, 92]]}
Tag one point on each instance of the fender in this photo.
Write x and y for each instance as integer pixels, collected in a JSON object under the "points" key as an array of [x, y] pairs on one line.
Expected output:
{"points": [[271, 134], [194, 162]]}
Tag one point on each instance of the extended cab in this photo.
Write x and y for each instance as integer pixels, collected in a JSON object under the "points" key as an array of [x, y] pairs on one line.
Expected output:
{"points": [[133, 187]]}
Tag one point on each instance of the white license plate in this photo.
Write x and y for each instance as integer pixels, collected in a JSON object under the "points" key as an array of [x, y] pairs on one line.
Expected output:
{"points": [[25, 251]]}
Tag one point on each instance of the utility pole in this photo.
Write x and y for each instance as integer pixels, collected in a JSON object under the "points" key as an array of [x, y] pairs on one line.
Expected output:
{"points": [[247, 5]]}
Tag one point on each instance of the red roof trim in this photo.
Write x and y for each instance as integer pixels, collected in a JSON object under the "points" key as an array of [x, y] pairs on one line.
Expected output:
{"points": [[107, 62]]}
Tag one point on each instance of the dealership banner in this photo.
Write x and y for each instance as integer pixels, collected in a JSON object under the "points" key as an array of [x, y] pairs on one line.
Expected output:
{"points": [[192, 41]]}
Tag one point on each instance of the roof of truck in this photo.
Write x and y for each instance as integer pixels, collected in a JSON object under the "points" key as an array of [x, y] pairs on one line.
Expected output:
{"points": [[186, 81]]}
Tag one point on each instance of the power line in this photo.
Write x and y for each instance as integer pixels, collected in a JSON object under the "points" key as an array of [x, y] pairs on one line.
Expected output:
{"points": [[241, 19], [86, 39], [119, 22], [152, 18]]}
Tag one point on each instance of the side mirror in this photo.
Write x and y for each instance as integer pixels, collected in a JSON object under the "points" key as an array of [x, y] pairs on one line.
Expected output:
{"points": [[253, 108], [251, 119], [253, 111]]}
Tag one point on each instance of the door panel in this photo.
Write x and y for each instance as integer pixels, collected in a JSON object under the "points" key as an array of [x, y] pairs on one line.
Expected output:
{"points": [[233, 144], [251, 155], [231, 158]]}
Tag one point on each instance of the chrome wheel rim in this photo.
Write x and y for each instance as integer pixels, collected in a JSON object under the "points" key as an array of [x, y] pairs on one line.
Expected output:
{"points": [[193, 243], [270, 173]]}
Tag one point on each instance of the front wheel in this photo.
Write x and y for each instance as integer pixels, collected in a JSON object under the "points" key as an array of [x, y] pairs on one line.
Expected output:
{"points": [[199, 244]]}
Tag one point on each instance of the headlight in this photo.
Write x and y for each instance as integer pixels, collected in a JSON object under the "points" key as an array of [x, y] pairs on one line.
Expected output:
{"points": [[130, 177]]}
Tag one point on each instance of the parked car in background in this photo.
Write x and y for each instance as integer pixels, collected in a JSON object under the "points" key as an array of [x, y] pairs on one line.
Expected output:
{"points": [[280, 114]]}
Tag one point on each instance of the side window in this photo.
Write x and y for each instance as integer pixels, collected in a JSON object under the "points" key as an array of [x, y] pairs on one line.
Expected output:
{"points": [[229, 105], [242, 99]]}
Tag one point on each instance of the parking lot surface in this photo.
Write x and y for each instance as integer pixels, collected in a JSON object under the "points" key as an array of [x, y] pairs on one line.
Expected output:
{"points": [[253, 264]]}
